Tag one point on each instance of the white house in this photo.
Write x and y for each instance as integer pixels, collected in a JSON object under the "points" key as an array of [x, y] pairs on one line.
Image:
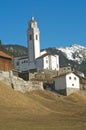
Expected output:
{"points": [[48, 61], [21, 63], [67, 83]]}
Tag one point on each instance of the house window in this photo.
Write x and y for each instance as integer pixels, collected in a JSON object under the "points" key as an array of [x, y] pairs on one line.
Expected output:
{"points": [[46, 61], [30, 37], [72, 84], [36, 37], [74, 78], [69, 77]]}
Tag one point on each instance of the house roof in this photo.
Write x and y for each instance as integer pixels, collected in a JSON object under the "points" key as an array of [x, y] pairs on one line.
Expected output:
{"points": [[23, 57], [64, 74], [61, 75], [2, 54]]}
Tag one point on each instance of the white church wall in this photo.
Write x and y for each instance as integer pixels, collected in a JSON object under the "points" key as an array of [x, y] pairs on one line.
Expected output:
{"points": [[46, 62], [52, 62], [57, 60]]}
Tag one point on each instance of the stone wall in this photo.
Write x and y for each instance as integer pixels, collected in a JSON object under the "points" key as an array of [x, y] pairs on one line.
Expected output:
{"points": [[67, 92], [71, 90], [33, 85], [61, 91], [19, 84]]}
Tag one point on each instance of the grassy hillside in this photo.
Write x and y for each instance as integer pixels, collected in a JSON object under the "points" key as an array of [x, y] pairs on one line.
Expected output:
{"points": [[41, 110]]}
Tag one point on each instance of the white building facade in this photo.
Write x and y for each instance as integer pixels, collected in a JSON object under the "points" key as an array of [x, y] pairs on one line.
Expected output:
{"points": [[48, 61], [21, 63], [68, 83]]}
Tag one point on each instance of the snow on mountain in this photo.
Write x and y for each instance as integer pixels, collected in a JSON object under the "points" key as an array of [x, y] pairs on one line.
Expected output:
{"points": [[75, 53]]}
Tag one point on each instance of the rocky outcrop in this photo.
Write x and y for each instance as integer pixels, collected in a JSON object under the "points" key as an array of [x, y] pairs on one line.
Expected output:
{"points": [[19, 84]]}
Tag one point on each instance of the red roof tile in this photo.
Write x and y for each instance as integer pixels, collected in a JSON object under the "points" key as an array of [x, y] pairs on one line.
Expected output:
{"points": [[5, 55]]}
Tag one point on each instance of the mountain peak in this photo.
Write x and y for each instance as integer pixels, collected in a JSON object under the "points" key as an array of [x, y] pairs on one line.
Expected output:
{"points": [[75, 52]]}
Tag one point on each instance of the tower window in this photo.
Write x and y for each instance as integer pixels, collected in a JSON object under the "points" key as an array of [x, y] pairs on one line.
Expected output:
{"points": [[30, 37], [36, 37]]}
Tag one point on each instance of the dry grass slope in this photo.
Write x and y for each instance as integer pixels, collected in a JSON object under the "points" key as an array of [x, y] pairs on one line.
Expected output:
{"points": [[41, 110]]}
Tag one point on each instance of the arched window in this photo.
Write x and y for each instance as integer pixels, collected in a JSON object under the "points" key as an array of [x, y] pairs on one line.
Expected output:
{"points": [[30, 37], [36, 37]]}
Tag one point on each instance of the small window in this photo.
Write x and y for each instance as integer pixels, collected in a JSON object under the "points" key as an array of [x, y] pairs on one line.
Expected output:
{"points": [[74, 78], [69, 77], [46, 61], [72, 84], [30, 37]]}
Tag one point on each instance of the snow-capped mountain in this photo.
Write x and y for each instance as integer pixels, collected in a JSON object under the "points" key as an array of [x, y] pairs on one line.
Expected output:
{"points": [[75, 53]]}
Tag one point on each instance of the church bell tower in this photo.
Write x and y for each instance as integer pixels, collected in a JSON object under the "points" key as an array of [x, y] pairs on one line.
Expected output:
{"points": [[33, 43]]}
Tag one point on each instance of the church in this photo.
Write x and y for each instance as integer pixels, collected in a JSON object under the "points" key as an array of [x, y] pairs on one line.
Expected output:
{"points": [[36, 59]]}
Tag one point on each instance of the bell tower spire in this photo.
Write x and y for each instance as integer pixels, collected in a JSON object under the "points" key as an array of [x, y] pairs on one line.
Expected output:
{"points": [[33, 36]]}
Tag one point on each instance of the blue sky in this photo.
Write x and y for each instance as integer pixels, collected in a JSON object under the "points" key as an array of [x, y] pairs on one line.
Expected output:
{"points": [[61, 22]]}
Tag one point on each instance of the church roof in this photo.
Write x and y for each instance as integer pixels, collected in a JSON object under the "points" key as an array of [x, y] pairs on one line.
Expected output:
{"points": [[44, 55]]}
